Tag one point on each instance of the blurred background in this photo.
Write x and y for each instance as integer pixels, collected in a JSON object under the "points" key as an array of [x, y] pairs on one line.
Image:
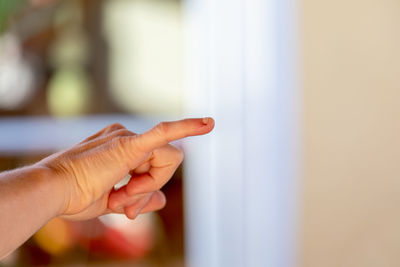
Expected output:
{"points": [[70, 67], [67, 70], [351, 86]]}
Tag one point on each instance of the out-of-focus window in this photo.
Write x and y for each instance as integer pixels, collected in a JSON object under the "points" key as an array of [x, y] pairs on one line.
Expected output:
{"points": [[146, 54]]}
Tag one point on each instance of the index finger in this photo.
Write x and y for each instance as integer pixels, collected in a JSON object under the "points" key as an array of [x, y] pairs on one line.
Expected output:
{"points": [[166, 132]]}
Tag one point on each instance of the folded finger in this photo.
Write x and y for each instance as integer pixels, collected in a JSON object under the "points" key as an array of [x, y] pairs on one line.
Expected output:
{"points": [[133, 210], [156, 202], [118, 199], [163, 163]]}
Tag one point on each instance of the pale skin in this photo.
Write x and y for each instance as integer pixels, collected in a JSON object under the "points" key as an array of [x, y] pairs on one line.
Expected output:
{"points": [[78, 183]]}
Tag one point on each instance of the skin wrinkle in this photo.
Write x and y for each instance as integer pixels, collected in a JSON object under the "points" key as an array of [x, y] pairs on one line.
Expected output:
{"points": [[60, 170], [137, 143], [118, 144], [102, 139], [162, 131], [108, 129]]}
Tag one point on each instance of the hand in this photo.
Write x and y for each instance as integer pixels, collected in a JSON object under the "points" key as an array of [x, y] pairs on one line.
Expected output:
{"points": [[89, 170]]}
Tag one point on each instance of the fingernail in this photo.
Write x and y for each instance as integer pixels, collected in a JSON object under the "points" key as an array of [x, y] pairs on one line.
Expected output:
{"points": [[206, 120]]}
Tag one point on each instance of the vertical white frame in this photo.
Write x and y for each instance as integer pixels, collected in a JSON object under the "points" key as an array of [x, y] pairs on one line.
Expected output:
{"points": [[241, 181]]}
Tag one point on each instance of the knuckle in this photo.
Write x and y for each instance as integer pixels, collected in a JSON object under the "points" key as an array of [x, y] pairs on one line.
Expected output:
{"points": [[117, 142], [118, 145], [178, 154], [115, 126], [162, 130], [138, 143], [122, 132]]}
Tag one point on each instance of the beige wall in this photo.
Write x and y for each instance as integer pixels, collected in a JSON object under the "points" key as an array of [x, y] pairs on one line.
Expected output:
{"points": [[351, 71]]}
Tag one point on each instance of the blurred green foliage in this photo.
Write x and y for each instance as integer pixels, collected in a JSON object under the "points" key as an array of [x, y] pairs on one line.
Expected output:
{"points": [[8, 7]]}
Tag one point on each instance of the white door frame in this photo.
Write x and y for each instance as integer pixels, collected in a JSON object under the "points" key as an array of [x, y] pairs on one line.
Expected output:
{"points": [[242, 181]]}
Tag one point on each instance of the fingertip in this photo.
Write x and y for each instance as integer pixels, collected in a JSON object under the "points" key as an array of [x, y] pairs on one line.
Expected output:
{"points": [[160, 197], [205, 120], [208, 121], [211, 123], [207, 125], [158, 201], [131, 213]]}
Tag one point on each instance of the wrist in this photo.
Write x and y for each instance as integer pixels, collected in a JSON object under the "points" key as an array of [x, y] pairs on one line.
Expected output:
{"points": [[52, 186]]}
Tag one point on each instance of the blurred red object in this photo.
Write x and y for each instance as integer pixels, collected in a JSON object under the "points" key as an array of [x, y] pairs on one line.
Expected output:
{"points": [[116, 236], [112, 236]]}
